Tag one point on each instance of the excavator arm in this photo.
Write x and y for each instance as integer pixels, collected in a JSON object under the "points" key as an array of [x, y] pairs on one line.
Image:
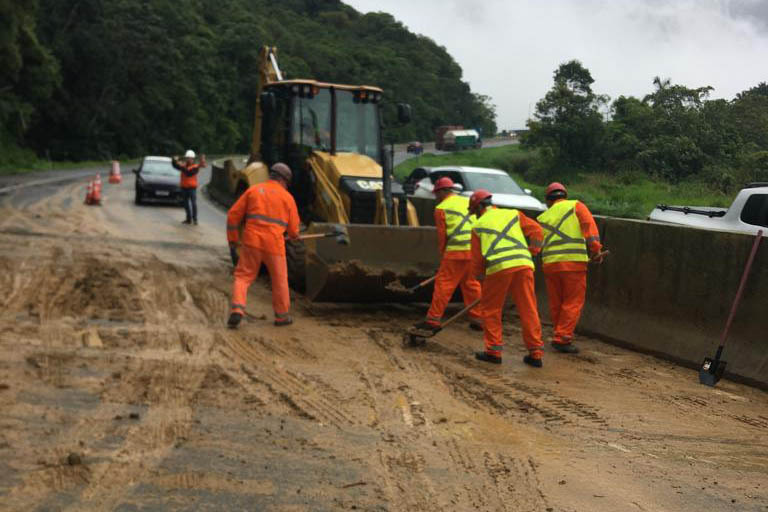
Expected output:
{"points": [[269, 72]]}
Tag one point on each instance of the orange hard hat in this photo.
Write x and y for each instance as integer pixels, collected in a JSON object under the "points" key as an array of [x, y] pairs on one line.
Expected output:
{"points": [[443, 183], [555, 187], [477, 198]]}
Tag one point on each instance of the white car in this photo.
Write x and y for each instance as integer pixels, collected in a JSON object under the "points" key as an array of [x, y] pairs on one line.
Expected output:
{"points": [[506, 193], [747, 214]]}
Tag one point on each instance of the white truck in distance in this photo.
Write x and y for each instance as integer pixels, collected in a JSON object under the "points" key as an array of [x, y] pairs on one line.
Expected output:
{"points": [[747, 214]]}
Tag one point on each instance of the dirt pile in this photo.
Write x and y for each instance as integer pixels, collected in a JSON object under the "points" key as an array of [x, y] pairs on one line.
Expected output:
{"points": [[170, 410]]}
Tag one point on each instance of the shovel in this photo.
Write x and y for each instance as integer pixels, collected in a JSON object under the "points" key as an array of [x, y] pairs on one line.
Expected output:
{"points": [[712, 370], [338, 232], [397, 286], [417, 337]]}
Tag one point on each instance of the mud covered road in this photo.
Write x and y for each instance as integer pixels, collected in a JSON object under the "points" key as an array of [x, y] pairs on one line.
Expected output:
{"points": [[121, 389]]}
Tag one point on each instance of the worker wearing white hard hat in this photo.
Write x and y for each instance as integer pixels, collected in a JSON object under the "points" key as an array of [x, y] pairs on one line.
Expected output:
{"points": [[189, 171]]}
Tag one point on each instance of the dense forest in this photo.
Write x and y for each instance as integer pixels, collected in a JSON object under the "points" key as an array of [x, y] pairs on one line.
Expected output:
{"points": [[674, 133], [112, 78]]}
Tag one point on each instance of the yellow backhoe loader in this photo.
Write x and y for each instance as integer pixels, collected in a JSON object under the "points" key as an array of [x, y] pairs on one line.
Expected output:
{"points": [[331, 137]]}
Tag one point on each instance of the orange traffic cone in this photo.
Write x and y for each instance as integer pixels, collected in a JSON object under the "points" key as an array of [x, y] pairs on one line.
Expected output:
{"points": [[114, 173], [89, 193], [96, 196]]}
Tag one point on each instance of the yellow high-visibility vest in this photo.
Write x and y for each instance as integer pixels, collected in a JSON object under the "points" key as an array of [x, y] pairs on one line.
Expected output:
{"points": [[563, 239], [458, 223], [502, 241]]}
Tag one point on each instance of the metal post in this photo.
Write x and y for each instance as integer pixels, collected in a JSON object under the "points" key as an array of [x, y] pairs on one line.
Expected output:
{"points": [[388, 183]]}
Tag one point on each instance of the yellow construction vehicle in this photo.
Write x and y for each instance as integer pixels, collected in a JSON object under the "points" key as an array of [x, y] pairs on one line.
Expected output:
{"points": [[331, 137]]}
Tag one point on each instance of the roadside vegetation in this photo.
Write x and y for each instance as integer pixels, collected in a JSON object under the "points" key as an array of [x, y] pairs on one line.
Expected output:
{"points": [[628, 194], [675, 134], [101, 79]]}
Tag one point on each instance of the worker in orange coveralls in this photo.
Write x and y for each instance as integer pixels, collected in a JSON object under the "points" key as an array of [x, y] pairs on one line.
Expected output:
{"points": [[268, 212], [503, 261], [569, 229], [454, 228]]}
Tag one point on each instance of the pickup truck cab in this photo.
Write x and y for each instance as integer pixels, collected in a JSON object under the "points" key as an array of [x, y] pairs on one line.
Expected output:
{"points": [[747, 214]]}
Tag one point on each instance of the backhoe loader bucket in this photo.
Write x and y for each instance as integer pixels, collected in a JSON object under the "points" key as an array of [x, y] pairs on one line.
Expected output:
{"points": [[376, 257]]}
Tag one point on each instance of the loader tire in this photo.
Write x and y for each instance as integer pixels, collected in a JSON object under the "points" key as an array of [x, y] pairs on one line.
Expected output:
{"points": [[296, 256]]}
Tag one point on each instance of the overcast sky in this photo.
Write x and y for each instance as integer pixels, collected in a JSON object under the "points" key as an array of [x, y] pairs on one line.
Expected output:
{"points": [[509, 49]]}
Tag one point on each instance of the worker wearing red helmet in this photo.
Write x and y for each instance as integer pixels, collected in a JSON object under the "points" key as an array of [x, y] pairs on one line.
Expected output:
{"points": [[503, 260], [268, 212], [454, 227], [570, 234]]}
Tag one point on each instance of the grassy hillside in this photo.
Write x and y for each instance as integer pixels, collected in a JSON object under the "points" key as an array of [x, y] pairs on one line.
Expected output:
{"points": [[629, 195]]}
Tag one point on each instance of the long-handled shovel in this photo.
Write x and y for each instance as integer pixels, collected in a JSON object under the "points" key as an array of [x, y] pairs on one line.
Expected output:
{"points": [[712, 369], [338, 232], [416, 337], [397, 286]]}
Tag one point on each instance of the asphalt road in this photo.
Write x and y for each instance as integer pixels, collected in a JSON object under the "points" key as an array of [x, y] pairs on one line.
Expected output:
{"points": [[22, 190]]}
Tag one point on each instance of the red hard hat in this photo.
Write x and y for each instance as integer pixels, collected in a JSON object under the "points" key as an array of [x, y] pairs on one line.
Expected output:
{"points": [[478, 197], [554, 187], [443, 183]]}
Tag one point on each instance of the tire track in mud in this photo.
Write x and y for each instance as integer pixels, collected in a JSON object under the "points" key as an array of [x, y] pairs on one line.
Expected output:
{"points": [[304, 397], [705, 408], [506, 396]]}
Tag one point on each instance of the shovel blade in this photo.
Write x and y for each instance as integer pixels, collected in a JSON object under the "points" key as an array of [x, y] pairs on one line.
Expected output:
{"points": [[711, 371]]}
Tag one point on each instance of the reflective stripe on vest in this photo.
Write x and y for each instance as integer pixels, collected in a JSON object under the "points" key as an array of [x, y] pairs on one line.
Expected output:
{"points": [[563, 240], [256, 216], [458, 223], [502, 241]]}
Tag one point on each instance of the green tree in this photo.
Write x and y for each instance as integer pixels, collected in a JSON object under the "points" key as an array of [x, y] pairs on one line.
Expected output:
{"points": [[567, 121], [29, 76]]}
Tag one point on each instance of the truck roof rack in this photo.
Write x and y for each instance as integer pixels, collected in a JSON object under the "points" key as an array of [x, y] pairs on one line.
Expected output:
{"points": [[757, 184], [686, 210]]}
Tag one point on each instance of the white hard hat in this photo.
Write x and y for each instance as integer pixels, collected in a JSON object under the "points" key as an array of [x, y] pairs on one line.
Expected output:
{"points": [[189, 154]]}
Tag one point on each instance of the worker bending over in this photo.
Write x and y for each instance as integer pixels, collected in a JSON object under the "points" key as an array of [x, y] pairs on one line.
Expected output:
{"points": [[267, 211], [189, 171], [503, 261], [569, 229], [454, 229]]}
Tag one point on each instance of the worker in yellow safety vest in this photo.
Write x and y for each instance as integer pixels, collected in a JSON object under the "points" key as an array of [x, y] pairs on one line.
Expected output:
{"points": [[503, 260], [454, 228], [570, 233]]}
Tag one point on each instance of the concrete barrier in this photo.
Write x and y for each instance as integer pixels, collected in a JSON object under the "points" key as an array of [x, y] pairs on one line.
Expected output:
{"points": [[667, 290]]}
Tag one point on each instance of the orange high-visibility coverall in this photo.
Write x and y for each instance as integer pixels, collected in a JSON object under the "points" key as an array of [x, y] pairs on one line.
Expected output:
{"points": [[268, 211], [567, 281], [454, 271], [515, 280]]}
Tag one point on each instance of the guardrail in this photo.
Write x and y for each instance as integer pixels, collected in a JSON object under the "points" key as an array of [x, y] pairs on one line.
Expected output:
{"points": [[666, 290]]}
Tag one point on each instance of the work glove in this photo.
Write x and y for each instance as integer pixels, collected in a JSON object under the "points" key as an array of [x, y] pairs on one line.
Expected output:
{"points": [[598, 258], [233, 254]]}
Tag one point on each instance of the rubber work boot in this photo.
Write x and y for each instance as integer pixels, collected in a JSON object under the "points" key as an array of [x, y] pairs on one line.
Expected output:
{"points": [[535, 362], [186, 221], [426, 326], [234, 320], [488, 358], [282, 322], [566, 348]]}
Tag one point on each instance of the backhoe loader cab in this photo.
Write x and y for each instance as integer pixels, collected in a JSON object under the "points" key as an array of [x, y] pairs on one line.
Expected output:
{"points": [[330, 135]]}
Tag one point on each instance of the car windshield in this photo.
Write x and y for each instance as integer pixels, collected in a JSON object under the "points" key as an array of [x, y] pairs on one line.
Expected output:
{"points": [[158, 168], [494, 183]]}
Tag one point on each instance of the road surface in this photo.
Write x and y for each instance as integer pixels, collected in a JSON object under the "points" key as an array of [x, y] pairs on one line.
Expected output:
{"points": [[121, 389]]}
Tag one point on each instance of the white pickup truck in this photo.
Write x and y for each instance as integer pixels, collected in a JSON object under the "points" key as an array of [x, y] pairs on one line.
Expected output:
{"points": [[747, 214]]}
